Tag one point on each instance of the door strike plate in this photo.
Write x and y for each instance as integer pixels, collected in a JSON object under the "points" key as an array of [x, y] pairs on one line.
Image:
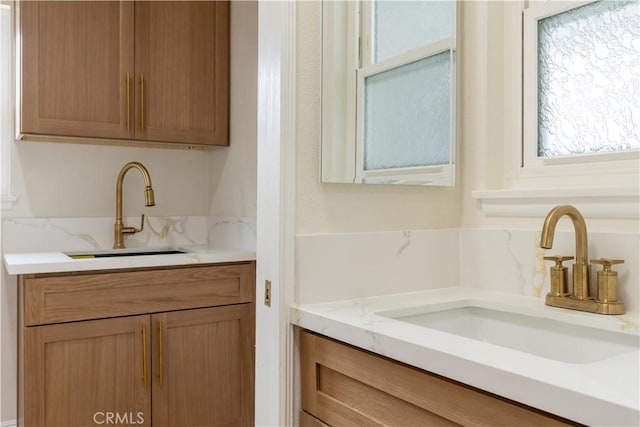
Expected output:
{"points": [[267, 293]]}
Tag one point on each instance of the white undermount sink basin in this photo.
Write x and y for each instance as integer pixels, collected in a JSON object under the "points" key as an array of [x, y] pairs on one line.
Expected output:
{"points": [[548, 338]]}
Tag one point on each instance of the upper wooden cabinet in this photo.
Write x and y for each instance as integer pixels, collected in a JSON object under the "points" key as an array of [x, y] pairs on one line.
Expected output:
{"points": [[147, 71], [182, 55], [75, 59]]}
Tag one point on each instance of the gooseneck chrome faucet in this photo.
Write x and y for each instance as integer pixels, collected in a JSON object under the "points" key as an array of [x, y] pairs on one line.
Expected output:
{"points": [[119, 228]]}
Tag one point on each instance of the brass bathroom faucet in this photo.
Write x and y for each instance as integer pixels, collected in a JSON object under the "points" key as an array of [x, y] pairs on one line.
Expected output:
{"points": [[581, 267], [606, 301], [119, 229]]}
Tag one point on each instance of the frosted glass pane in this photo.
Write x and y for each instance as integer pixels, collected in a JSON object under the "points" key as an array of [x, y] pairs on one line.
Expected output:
{"points": [[399, 26], [406, 115], [589, 79]]}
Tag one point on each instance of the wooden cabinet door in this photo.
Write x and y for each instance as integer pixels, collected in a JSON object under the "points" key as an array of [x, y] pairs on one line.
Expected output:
{"points": [[84, 373], [203, 365], [346, 386], [182, 59], [75, 60]]}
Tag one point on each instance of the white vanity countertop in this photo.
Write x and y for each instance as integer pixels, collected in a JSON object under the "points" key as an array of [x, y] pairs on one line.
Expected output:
{"points": [[605, 392], [58, 262]]}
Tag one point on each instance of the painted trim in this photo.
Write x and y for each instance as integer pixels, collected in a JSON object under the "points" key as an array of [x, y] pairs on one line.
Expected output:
{"points": [[338, 106], [7, 198], [288, 407], [10, 423], [7, 202], [275, 211], [603, 202]]}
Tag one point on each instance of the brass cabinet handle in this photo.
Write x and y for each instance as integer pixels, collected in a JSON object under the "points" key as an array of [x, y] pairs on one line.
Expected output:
{"points": [[128, 79], [160, 355], [141, 102], [144, 355]]}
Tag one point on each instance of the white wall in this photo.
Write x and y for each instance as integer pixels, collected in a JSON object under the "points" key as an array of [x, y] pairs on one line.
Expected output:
{"points": [[76, 180], [489, 99], [73, 180], [232, 171], [327, 208]]}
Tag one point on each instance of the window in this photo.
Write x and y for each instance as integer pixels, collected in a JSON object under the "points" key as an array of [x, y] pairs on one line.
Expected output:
{"points": [[540, 169], [389, 92], [581, 87], [405, 121]]}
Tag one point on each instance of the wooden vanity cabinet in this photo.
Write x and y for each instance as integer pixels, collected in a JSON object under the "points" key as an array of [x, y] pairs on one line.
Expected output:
{"points": [[346, 386], [154, 347], [123, 70]]}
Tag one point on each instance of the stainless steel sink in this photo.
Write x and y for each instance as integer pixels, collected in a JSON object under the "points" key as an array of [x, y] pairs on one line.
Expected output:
{"points": [[123, 252]]}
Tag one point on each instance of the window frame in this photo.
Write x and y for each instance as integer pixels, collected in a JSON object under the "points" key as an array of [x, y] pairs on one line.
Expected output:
{"points": [[338, 118], [587, 166], [603, 191], [443, 174]]}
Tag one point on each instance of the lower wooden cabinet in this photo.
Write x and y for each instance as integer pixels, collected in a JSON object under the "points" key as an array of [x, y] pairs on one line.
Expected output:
{"points": [[346, 386], [77, 374], [185, 367], [203, 369]]}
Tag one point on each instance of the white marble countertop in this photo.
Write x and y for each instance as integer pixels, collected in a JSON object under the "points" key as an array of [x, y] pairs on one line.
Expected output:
{"points": [[58, 262], [604, 392]]}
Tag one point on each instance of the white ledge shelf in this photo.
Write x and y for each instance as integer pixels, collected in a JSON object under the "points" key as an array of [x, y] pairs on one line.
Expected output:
{"points": [[7, 202], [597, 202]]}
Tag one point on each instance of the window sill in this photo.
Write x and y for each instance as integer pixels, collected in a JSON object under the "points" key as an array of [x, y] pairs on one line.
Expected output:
{"points": [[6, 202], [598, 202]]}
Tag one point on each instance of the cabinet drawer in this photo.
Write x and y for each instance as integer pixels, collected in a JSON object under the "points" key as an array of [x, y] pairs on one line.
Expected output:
{"points": [[344, 386], [80, 296]]}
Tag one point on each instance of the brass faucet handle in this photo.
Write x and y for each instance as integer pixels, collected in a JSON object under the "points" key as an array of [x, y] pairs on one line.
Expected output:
{"points": [[606, 262], [132, 230], [558, 259], [141, 224], [559, 277]]}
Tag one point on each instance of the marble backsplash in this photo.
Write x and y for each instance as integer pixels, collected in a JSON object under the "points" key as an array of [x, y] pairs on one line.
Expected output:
{"points": [[355, 265], [77, 234], [512, 261]]}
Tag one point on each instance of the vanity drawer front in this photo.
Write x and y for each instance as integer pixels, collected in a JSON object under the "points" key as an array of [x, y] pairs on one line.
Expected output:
{"points": [[79, 296], [343, 385]]}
